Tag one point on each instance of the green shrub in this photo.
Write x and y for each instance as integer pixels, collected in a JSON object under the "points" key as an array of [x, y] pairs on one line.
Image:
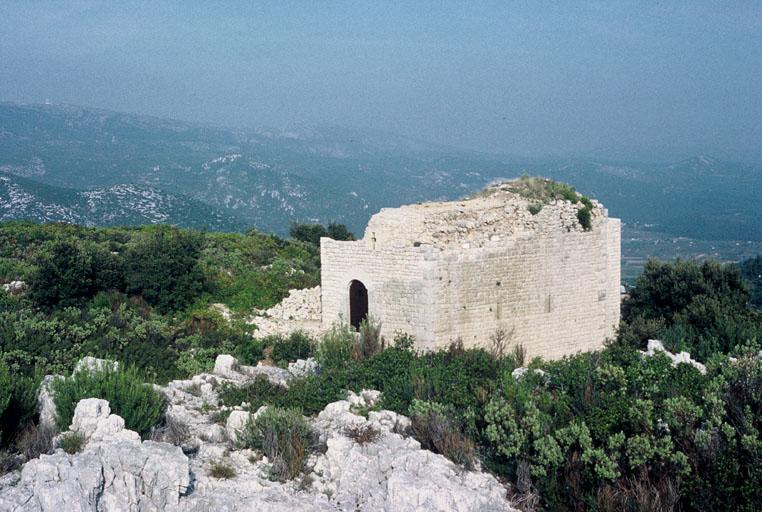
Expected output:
{"points": [[5, 390], [257, 393], [335, 348], [222, 470], [434, 428], [298, 345], [585, 218], [370, 341], [535, 208], [164, 268], [283, 435], [71, 442], [141, 406]]}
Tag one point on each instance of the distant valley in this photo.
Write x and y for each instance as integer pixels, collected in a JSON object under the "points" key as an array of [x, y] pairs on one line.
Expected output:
{"points": [[95, 167]]}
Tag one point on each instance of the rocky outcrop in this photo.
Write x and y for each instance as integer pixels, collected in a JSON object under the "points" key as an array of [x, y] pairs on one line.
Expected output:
{"points": [[117, 472], [15, 287], [299, 311], [656, 346]]}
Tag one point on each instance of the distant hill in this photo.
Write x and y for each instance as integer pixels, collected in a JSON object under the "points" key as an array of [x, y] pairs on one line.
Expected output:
{"points": [[270, 178], [117, 205]]}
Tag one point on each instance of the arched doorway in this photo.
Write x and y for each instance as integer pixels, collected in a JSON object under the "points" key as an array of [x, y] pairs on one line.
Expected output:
{"points": [[358, 303]]}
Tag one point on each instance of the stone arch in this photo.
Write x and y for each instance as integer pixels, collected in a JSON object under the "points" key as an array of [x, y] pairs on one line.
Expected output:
{"points": [[358, 303]]}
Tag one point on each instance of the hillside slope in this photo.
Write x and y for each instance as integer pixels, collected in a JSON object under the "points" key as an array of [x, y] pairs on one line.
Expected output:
{"points": [[116, 205]]}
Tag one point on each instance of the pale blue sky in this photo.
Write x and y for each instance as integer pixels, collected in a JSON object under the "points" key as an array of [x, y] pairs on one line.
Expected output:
{"points": [[519, 77]]}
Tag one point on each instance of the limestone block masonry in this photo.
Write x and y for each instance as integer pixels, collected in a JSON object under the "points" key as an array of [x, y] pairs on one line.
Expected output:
{"points": [[464, 269]]}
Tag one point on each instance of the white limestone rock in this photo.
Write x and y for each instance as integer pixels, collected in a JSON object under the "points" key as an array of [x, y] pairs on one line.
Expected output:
{"points": [[226, 366], [46, 406], [235, 424], [303, 367], [15, 287], [93, 364], [656, 346]]}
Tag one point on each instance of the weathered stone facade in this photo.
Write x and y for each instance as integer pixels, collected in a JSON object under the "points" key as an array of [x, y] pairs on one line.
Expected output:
{"points": [[464, 269]]}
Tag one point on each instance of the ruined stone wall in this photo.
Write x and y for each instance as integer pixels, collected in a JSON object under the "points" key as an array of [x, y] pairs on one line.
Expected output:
{"points": [[398, 279], [557, 293]]}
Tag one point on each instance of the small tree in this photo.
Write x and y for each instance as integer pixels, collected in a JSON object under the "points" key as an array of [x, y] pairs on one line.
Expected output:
{"points": [[164, 268]]}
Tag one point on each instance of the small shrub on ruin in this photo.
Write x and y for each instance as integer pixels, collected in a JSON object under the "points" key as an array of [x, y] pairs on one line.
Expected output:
{"points": [[283, 435], [71, 442], [535, 208], [585, 218]]}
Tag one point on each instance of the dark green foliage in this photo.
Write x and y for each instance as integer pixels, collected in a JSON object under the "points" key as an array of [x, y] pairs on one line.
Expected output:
{"points": [[138, 403], [63, 275], [164, 268], [311, 233], [700, 308], [280, 349], [585, 218], [751, 270], [297, 345], [434, 428], [5, 390], [339, 232], [71, 442], [257, 393], [283, 435]]}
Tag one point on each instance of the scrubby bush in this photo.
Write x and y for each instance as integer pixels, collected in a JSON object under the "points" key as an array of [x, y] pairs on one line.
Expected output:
{"points": [[434, 428], [141, 406], [222, 470], [362, 434], [370, 341], [283, 435], [584, 216], [5, 389], [71, 442], [297, 345], [164, 268], [336, 347]]}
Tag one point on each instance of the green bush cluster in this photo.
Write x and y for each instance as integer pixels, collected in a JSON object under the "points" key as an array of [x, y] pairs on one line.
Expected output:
{"points": [[280, 349], [283, 435], [311, 233], [700, 308], [141, 406]]}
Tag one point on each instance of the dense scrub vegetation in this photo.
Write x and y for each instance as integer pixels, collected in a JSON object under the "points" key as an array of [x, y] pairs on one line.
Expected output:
{"points": [[137, 295], [610, 430]]}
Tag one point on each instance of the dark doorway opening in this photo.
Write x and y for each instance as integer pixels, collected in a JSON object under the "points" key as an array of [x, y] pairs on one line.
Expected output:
{"points": [[358, 303]]}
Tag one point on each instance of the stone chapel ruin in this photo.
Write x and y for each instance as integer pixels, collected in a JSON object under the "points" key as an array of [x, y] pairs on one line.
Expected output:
{"points": [[464, 269]]}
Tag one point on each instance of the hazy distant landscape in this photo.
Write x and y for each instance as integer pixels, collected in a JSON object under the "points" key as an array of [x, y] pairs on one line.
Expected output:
{"points": [[102, 168]]}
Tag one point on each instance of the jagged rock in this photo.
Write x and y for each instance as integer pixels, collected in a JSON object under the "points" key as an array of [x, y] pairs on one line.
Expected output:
{"points": [[390, 473], [303, 367], [94, 422], [93, 364], [46, 406], [114, 472], [15, 287], [235, 424], [656, 346], [519, 373], [228, 367]]}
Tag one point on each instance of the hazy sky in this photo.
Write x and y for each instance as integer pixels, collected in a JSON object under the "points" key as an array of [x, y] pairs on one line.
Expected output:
{"points": [[522, 77]]}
